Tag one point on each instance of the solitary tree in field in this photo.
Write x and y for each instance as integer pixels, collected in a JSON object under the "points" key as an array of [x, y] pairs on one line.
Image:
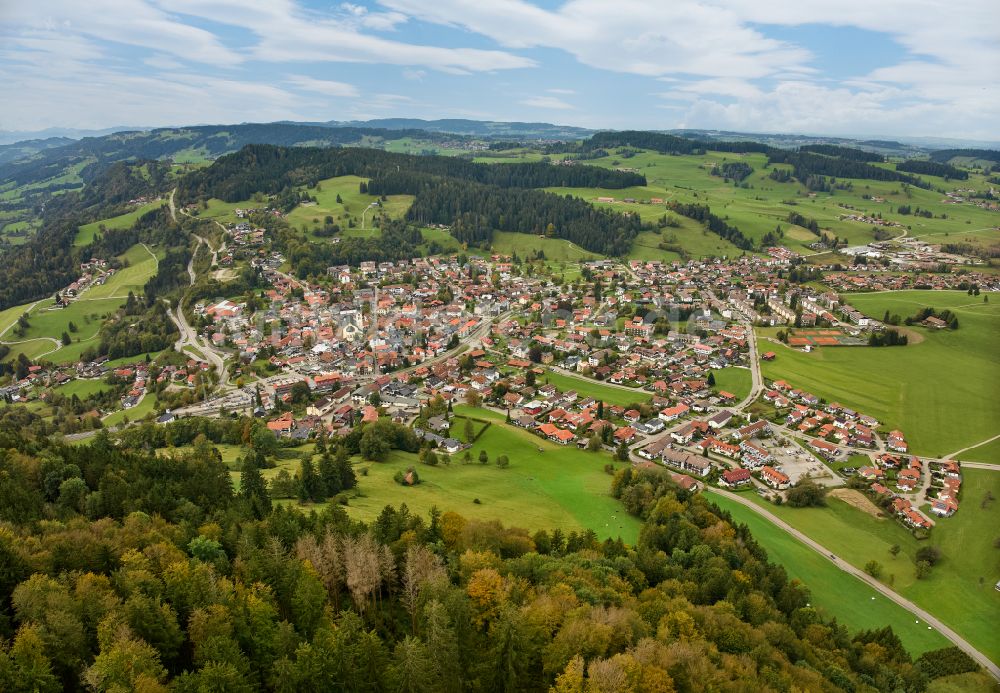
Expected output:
{"points": [[483, 457]]}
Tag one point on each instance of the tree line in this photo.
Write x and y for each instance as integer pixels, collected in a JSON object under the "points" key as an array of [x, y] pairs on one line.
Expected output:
{"points": [[127, 570]]}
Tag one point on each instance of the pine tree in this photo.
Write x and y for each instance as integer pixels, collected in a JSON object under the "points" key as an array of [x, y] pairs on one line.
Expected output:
{"points": [[310, 485], [344, 469], [329, 475], [252, 486]]}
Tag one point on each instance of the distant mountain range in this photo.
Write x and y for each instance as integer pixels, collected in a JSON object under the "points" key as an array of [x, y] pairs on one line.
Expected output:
{"points": [[496, 130]]}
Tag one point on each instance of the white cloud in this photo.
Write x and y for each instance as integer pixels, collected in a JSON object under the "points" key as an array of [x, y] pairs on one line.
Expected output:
{"points": [[563, 92], [414, 75], [286, 32], [130, 22], [645, 38], [323, 86], [546, 102]]}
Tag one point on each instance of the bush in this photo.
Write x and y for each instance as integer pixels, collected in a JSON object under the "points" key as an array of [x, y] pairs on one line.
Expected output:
{"points": [[874, 568], [477, 501], [929, 554], [807, 493], [945, 662]]}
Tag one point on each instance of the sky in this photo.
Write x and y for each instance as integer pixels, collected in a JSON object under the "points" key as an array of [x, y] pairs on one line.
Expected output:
{"points": [[851, 67]]}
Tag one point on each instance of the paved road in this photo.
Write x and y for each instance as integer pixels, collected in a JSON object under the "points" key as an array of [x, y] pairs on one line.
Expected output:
{"points": [[756, 381], [927, 618]]}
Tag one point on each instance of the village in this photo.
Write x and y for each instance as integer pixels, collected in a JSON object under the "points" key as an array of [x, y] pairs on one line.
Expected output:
{"points": [[387, 339]]}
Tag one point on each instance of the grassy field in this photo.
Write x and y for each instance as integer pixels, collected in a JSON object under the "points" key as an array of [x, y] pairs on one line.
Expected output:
{"points": [[586, 387], [546, 485], [832, 590], [139, 411], [765, 204], [141, 264], [82, 388], [86, 233], [353, 204], [87, 313], [989, 452], [735, 380], [959, 590], [525, 244], [941, 392], [46, 325]]}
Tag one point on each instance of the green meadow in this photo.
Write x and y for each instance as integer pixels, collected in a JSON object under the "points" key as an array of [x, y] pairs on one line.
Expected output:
{"points": [[959, 590], [141, 265], [988, 452], [546, 485], [833, 591], [351, 207], [940, 391], [587, 387], [738, 381], [524, 245], [764, 204], [86, 233]]}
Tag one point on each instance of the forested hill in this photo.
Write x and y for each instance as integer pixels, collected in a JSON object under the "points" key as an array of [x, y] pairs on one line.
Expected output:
{"points": [[475, 199], [208, 141], [127, 571], [49, 261], [269, 169]]}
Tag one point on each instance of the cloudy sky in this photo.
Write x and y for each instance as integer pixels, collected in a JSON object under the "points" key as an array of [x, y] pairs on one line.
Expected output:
{"points": [[850, 67]]}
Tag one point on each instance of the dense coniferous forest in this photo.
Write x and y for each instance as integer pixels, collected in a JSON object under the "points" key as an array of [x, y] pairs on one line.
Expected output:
{"points": [[806, 165], [946, 155], [849, 153], [737, 170], [128, 571], [477, 198], [713, 223], [269, 169], [932, 168]]}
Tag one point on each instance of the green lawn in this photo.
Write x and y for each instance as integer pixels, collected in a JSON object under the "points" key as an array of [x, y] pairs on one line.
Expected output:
{"points": [[82, 388], [953, 591], [587, 387], [86, 233], [832, 590], [738, 381], [555, 487], [941, 392]]}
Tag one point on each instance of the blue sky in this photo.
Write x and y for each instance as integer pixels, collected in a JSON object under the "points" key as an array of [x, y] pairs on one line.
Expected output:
{"points": [[854, 67]]}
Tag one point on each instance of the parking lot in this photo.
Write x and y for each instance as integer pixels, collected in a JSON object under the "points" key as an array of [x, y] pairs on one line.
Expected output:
{"points": [[798, 464]]}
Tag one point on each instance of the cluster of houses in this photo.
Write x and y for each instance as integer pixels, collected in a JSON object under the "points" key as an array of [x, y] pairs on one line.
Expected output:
{"points": [[943, 490], [893, 281], [830, 425]]}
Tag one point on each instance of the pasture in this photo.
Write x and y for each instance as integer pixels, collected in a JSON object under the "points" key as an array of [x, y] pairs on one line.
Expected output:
{"points": [[546, 486], [85, 234], [832, 591], [765, 204], [941, 392], [738, 381], [587, 387], [352, 206], [526, 244], [141, 263], [959, 589]]}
